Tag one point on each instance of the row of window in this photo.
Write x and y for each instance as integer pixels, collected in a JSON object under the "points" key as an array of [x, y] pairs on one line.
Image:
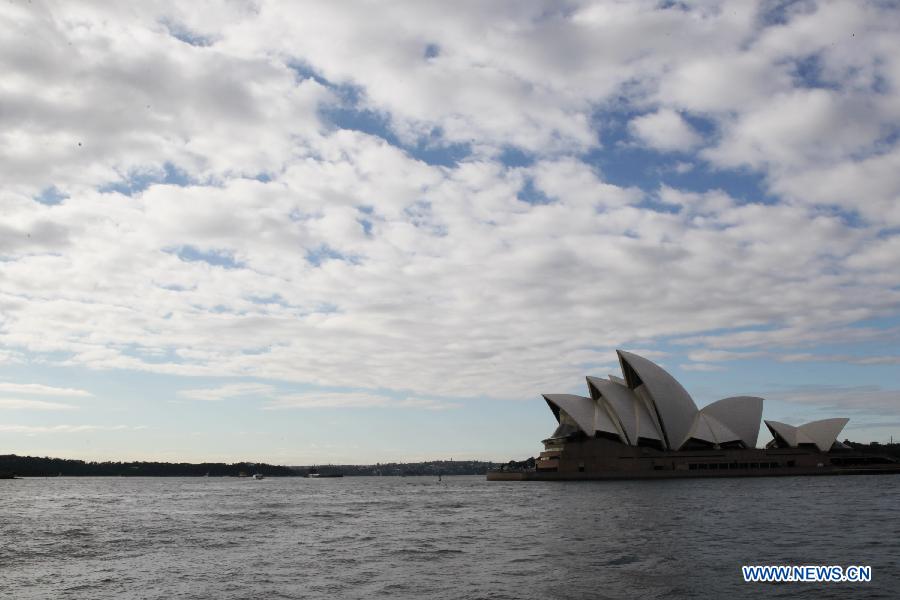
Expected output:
{"points": [[737, 465]]}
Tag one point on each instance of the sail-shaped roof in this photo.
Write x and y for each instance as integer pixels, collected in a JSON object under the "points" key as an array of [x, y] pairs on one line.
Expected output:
{"points": [[787, 434], [621, 402], [649, 404], [824, 433], [741, 414], [821, 433], [581, 409], [674, 406]]}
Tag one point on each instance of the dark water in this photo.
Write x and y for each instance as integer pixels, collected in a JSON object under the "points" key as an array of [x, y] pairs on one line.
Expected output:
{"points": [[462, 538]]}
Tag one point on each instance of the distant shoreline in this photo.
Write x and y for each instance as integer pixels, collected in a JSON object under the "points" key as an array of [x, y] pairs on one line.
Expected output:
{"points": [[33, 466]]}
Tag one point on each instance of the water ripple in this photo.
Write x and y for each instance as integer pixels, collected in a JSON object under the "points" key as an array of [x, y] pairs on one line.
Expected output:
{"points": [[105, 538]]}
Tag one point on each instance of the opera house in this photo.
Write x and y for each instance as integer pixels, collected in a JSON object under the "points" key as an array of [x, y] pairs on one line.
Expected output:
{"points": [[646, 425]]}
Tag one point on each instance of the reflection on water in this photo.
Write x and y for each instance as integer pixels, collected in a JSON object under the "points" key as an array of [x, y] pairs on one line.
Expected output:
{"points": [[460, 538]]}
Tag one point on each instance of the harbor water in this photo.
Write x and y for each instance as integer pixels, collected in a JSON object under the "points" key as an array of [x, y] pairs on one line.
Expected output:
{"points": [[462, 537]]}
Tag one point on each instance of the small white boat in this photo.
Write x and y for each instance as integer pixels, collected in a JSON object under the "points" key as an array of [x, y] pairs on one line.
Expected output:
{"points": [[258, 476]]}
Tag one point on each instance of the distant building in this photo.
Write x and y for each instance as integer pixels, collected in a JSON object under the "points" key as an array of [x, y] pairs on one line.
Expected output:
{"points": [[648, 407], [645, 424]]}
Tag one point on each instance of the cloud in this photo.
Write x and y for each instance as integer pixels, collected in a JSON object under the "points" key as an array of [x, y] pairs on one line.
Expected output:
{"points": [[304, 193], [871, 399], [801, 334], [700, 367], [720, 355], [787, 131], [228, 391], [841, 358], [354, 400], [665, 130], [16, 403], [38, 429], [41, 390]]}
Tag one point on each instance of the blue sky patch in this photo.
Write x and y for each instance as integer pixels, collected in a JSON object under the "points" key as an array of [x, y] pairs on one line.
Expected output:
{"points": [[51, 196], [624, 162], [513, 157], [323, 253], [350, 114], [531, 194], [215, 258], [137, 182], [183, 34], [430, 149]]}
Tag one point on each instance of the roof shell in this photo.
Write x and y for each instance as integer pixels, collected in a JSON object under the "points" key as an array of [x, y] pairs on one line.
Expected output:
{"points": [[675, 407], [824, 433], [821, 433], [581, 409], [701, 430], [741, 414], [621, 402], [603, 421], [721, 432], [786, 432]]}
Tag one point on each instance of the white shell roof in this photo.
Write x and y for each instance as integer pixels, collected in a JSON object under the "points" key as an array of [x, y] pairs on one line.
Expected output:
{"points": [[701, 430], [648, 410], [616, 379], [786, 432], [621, 402], [709, 429], [720, 431], [603, 421], [581, 409], [674, 405], [646, 422], [649, 403], [824, 433], [821, 433], [741, 414]]}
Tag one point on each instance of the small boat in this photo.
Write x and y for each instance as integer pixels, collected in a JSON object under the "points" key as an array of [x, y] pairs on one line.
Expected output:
{"points": [[314, 473], [258, 476]]}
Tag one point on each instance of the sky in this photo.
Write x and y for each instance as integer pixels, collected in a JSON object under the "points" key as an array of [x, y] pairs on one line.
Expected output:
{"points": [[358, 232]]}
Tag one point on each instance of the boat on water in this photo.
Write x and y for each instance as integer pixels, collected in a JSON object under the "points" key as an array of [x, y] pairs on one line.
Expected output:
{"points": [[258, 476], [8, 476], [645, 425], [314, 473]]}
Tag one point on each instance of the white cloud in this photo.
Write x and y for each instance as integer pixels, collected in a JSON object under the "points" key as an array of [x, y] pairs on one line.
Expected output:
{"points": [[228, 391], [865, 399], [354, 400], [352, 263], [719, 83], [18, 403], [841, 358], [787, 132], [665, 130], [720, 355], [37, 429], [41, 390], [701, 367], [572, 182]]}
